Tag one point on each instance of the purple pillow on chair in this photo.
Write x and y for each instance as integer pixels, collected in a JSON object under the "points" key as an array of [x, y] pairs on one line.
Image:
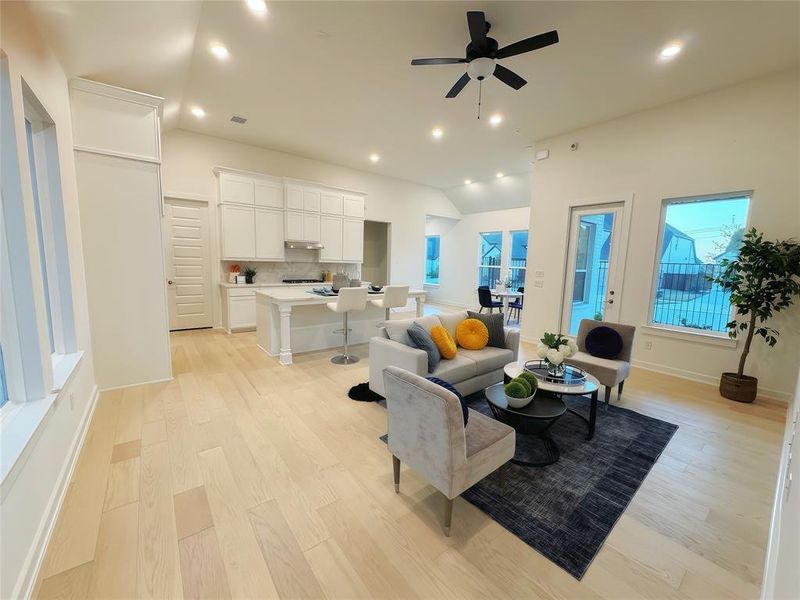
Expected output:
{"points": [[603, 342]]}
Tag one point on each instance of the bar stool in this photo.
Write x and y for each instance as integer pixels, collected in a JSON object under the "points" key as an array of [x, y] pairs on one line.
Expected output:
{"points": [[394, 296], [349, 299]]}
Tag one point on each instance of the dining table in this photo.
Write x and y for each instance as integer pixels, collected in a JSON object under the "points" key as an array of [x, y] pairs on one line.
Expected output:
{"points": [[506, 296]]}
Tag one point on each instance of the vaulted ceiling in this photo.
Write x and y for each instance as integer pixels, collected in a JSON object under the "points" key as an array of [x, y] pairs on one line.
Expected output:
{"points": [[333, 81]]}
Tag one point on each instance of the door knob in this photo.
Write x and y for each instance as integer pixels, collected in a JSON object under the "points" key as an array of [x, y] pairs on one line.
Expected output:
{"points": [[611, 301], [169, 281]]}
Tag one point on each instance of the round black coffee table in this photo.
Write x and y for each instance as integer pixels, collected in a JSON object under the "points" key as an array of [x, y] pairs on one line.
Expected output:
{"points": [[534, 419]]}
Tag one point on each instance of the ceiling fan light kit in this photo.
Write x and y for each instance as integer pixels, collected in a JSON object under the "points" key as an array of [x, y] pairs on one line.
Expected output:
{"points": [[483, 52]]}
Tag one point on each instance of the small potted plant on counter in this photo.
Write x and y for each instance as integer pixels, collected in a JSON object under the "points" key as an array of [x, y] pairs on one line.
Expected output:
{"points": [[762, 280], [249, 274]]}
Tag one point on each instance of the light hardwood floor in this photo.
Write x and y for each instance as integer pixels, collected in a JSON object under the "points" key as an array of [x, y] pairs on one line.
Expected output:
{"points": [[244, 479]]}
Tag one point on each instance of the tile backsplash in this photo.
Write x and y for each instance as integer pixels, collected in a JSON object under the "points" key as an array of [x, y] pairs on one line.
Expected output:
{"points": [[275, 272]]}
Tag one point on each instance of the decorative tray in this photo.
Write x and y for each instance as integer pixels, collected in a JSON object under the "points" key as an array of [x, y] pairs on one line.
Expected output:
{"points": [[572, 375]]}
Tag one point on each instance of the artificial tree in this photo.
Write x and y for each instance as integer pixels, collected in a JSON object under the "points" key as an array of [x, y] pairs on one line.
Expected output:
{"points": [[763, 280]]}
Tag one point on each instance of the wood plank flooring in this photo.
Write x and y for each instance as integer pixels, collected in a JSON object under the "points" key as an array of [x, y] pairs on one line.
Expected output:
{"points": [[244, 479]]}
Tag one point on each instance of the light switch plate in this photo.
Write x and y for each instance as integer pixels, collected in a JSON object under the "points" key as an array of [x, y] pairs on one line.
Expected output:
{"points": [[538, 273], [538, 283]]}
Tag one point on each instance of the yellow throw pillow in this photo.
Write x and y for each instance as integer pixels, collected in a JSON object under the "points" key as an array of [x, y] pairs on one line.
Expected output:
{"points": [[444, 342], [472, 334]]}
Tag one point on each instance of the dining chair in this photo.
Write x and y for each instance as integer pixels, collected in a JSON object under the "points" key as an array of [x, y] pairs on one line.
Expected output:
{"points": [[516, 305], [485, 299]]}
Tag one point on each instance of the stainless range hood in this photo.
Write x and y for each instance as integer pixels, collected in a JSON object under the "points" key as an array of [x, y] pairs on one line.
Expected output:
{"points": [[303, 245]]}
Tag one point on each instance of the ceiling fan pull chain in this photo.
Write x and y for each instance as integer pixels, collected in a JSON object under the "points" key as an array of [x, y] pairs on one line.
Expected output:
{"points": [[480, 90]]}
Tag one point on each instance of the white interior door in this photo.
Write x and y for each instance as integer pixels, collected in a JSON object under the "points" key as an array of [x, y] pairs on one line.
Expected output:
{"points": [[593, 274], [188, 264]]}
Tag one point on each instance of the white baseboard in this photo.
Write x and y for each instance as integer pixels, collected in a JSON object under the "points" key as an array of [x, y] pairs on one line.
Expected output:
{"points": [[35, 558], [128, 385], [763, 392]]}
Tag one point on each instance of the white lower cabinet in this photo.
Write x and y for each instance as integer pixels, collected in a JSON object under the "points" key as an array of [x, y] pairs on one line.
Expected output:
{"points": [[239, 307], [238, 232], [352, 240], [269, 234]]}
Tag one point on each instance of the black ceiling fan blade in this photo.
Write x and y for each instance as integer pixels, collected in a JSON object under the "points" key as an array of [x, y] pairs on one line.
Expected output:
{"points": [[437, 61], [458, 86], [528, 45], [508, 77], [476, 21]]}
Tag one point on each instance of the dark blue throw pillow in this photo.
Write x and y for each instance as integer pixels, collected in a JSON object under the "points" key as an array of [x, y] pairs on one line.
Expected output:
{"points": [[603, 342], [450, 388]]}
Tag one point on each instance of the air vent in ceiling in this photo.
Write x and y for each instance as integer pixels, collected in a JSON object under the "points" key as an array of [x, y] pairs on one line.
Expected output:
{"points": [[239, 120]]}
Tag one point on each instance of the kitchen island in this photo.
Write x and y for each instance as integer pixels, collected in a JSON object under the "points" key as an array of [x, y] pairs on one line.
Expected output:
{"points": [[293, 319]]}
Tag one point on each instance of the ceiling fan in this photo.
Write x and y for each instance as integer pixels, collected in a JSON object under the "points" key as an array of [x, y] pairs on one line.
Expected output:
{"points": [[482, 54]]}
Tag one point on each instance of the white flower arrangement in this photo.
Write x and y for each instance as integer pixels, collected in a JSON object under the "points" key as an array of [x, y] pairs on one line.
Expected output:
{"points": [[555, 348]]}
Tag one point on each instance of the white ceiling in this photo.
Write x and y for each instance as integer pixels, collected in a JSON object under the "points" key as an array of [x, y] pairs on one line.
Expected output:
{"points": [[332, 80]]}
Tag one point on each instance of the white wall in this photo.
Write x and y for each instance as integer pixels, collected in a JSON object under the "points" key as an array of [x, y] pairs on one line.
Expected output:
{"points": [[458, 251], [188, 159], [739, 138], [33, 490]]}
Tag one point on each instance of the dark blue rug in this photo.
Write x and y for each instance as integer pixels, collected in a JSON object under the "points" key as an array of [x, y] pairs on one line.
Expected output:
{"points": [[566, 510]]}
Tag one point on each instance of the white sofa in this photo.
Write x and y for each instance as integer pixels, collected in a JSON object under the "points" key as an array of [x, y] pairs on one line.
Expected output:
{"points": [[468, 372]]}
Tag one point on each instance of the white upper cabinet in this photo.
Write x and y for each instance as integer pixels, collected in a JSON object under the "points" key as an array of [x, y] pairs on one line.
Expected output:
{"points": [[311, 227], [294, 225], [354, 206], [238, 233], [236, 189], [268, 194], [331, 238], [311, 200], [294, 197], [269, 234], [331, 203], [352, 240]]}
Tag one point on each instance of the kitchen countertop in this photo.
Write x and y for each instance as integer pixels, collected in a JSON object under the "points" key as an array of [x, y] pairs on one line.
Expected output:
{"points": [[265, 285], [281, 295]]}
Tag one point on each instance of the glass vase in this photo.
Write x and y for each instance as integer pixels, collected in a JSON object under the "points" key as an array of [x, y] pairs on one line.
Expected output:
{"points": [[554, 370]]}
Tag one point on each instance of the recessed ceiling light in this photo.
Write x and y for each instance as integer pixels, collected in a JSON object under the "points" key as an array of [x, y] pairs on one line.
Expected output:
{"points": [[467, 181], [257, 6], [500, 174], [220, 51], [374, 157], [495, 120], [670, 51], [437, 133], [198, 112]]}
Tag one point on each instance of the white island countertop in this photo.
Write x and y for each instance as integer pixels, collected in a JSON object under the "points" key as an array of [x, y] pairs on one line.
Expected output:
{"points": [[302, 295], [291, 319]]}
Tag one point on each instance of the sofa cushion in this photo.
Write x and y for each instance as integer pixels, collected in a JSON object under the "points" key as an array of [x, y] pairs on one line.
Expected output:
{"points": [[422, 340], [444, 342], [494, 323], [456, 370], [450, 321], [603, 342], [398, 330], [450, 388], [489, 359], [472, 334], [608, 372]]}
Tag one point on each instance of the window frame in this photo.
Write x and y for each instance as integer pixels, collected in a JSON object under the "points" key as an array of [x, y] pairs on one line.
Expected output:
{"points": [[481, 265], [438, 261], [510, 267], [680, 330]]}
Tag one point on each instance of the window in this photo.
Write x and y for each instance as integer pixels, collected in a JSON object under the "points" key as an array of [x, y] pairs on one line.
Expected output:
{"points": [[3, 387], [51, 242], [696, 235], [490, 257], [584, 243], [518, 259], [432, 243]]}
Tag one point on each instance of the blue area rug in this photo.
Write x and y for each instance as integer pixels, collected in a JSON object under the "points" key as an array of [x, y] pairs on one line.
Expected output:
{"points": [[566, 510]]}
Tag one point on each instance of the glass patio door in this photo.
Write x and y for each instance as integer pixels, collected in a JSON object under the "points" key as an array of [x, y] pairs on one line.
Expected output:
{"points": [[592, 281]]}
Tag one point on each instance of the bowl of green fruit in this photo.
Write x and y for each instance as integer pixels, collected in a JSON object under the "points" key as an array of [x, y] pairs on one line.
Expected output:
{"points": [[521, 390]]}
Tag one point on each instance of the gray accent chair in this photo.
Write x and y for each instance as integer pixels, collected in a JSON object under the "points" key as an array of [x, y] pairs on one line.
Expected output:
{"points": [[608, 372], [426, 432]]}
